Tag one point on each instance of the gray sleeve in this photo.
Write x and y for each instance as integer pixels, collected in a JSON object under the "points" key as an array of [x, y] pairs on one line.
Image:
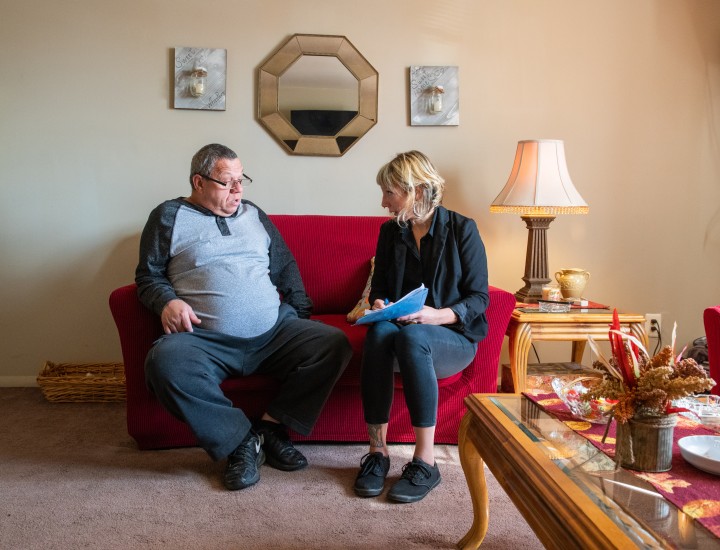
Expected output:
{"points": [[154, 288], [284, 272]]}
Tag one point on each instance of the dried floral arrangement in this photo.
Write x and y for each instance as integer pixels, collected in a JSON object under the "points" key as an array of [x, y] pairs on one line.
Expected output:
{"points": [[644, 385]]}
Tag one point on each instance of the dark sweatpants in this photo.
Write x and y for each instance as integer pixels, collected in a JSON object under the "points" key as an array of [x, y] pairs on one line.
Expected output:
{"points": [[185, 370]]}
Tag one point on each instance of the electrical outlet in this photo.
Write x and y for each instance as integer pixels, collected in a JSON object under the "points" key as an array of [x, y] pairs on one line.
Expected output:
{"points": [[653, 324]]}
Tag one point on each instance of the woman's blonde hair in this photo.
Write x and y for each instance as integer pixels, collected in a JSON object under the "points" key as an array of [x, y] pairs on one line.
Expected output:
{"points": [[406, 173]]}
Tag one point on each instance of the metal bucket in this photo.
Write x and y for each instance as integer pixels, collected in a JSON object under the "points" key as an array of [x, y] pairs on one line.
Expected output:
{"points": [[645, 443]]}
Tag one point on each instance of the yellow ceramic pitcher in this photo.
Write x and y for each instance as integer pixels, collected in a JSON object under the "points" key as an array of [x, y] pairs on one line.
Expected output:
{"points": [[572, 281]]}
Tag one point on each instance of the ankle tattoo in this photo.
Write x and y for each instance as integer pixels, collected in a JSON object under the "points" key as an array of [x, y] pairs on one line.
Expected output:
{"points": [[375, 433]]}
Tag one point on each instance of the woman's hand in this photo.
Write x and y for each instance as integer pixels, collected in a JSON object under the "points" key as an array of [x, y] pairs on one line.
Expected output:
{"points": [[380, 304], [430, 316]]}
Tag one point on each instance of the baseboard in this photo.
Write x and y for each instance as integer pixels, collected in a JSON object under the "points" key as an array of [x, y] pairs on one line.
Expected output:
{"points": [[18, 381]]}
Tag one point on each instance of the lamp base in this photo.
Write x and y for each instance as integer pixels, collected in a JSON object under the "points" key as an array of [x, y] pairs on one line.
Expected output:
{"points": [[536, 264], [531, 293]]}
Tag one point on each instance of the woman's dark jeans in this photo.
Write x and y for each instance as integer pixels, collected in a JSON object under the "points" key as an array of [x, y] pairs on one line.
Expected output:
{"points": [[423, 354]]}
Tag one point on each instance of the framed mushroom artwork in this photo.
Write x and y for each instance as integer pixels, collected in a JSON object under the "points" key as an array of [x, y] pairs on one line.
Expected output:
{"points": [[200, 75], [434, 96]]}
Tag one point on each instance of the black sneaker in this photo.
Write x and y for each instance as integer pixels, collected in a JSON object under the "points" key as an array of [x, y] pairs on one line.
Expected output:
{"points": [[370, 481], [417, 480], [243, 463], [279, 450]]}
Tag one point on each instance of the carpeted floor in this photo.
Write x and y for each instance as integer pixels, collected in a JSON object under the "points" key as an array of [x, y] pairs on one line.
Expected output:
{"points": [[71, 477]]}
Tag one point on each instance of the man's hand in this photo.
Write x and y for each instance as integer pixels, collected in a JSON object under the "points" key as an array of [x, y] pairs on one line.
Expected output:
{"points": [[178, 316]]}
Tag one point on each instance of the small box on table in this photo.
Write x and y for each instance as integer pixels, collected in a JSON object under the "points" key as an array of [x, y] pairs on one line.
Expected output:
{"points": [[540, 375]]}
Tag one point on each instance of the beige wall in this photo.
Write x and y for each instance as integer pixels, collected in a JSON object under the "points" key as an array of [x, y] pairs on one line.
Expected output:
{"points": [[89, 144]]}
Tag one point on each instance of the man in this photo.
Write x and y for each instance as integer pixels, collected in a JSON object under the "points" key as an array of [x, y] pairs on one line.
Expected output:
{"points": [[231, 302]]}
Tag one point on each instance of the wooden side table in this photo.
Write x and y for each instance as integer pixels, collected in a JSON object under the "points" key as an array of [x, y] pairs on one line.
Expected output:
{"points": [[527, 326]]}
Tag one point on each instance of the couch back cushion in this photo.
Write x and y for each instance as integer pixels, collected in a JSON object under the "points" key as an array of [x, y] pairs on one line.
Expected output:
{"points": [[333, 254]]}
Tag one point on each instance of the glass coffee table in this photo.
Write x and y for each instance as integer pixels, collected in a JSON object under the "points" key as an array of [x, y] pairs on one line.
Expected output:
{"points": [[569, 492]]}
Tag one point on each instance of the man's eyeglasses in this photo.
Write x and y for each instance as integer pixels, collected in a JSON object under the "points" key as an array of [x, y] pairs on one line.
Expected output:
{"points": [[244, 181]]}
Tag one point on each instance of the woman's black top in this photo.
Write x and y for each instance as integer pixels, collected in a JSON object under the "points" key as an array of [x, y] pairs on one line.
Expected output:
{"points": [[453, 266]]}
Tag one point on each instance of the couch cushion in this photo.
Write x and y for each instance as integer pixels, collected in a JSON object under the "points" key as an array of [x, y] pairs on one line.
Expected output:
{"points": [[356, 336], [333, 254]]}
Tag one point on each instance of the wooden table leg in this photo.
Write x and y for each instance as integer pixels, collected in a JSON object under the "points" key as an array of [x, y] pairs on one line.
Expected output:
{"points": [[519, 342], [578, 349], [474, 469]]}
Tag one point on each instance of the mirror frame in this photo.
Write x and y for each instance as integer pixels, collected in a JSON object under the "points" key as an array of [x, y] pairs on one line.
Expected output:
{"points": [[280, 127]]}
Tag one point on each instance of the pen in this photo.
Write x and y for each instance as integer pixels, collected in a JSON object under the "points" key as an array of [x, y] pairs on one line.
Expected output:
{"points": [[386, 301]]}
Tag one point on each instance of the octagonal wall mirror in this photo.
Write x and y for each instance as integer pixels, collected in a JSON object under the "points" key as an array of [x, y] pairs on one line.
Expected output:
{"points": [[317, 95]]}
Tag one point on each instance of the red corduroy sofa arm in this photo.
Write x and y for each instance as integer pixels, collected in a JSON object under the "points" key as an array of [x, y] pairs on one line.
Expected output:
{"points": [[711, 318], [482, 374], [138, 328]]}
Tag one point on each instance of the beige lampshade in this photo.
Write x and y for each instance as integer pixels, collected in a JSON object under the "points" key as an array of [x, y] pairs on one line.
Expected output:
{"points": [[539, 183]]}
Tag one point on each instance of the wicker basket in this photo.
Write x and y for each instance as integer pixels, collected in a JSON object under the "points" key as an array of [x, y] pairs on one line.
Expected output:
{"points": [[87, 382]]}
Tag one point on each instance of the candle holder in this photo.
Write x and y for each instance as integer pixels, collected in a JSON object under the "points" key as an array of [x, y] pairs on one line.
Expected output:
{"points": [[436, 99], [198, 77]]}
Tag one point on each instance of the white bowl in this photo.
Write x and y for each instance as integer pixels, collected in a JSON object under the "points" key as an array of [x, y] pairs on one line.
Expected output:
{"points": [[702, 451]]}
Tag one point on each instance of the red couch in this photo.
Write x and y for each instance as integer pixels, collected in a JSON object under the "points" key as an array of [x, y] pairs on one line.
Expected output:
{"points": [[333, 254], [711, 318]]}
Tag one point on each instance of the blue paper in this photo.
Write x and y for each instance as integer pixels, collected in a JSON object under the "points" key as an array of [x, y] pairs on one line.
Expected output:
{"points": [[412, 302]]}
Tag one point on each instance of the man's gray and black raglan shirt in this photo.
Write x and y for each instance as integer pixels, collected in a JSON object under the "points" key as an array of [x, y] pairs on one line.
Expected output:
{"points": [[228, 269]]}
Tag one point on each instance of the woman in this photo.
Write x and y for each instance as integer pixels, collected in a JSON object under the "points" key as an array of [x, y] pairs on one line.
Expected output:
{"points": [[424, 244]]}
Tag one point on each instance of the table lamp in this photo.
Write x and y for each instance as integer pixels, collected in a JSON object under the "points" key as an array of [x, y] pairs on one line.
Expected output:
{"points": [[539, 188]]}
